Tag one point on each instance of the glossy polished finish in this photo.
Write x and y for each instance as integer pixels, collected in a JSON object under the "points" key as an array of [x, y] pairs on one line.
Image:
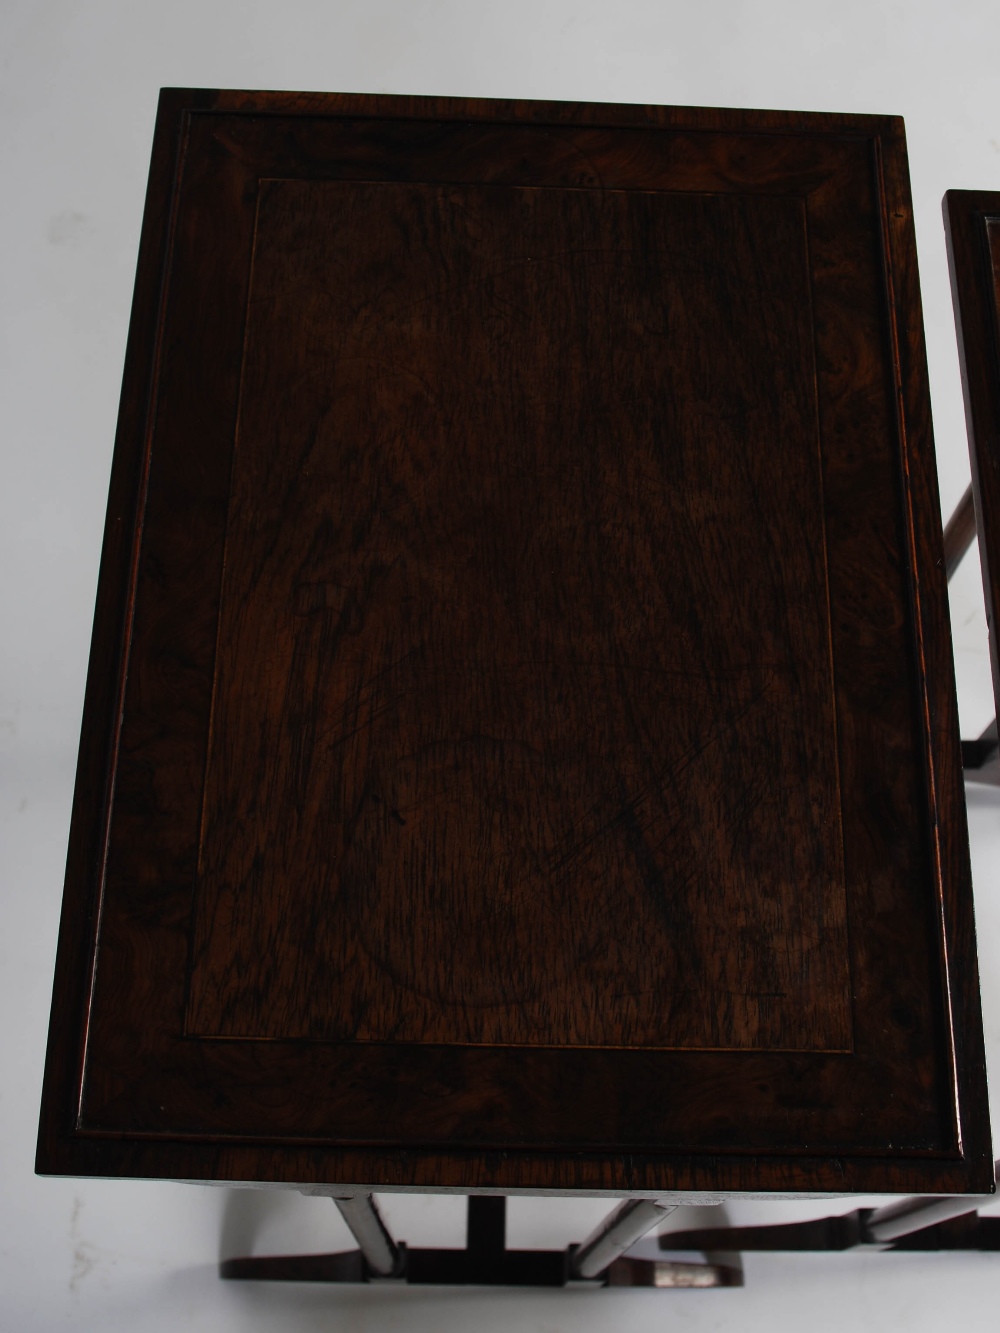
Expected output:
{"points": [[617, 1233], [366, 1226], [972, 226], [520, 748]]}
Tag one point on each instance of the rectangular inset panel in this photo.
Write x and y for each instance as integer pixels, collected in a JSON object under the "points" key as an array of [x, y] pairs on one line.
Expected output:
{"points": [[522, 672]]}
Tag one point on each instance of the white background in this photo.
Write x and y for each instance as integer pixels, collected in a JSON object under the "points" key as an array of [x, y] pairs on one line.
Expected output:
{"points": [[78, 87]]}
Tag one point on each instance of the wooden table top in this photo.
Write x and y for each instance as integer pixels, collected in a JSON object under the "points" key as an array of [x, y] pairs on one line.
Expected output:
{"points": [[520, 747]]}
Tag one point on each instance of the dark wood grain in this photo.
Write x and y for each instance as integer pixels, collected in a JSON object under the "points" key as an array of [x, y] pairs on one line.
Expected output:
{"points": [[972, 225], [487, 642], [538, 762]]}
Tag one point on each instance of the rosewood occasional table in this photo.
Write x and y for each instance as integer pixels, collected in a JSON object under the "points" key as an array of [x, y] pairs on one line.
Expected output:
{"points": [[972, 226], [520, 750]]}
